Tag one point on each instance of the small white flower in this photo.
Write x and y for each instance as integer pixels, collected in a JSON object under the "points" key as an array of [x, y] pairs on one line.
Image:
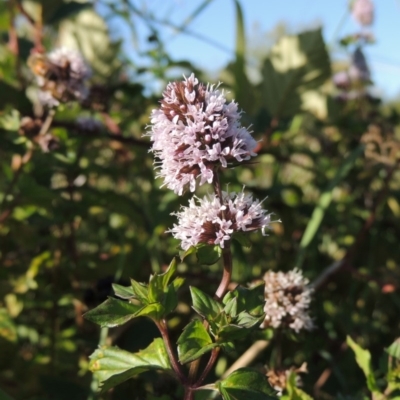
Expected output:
{"points": [[210, 222], [194, 132], [287, 299]]}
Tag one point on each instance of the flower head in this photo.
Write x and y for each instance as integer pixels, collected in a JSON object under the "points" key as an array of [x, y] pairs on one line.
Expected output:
{"points": [[363, 12], [287, 299], [61, 76], [211, 221], [278, 378], [196, 131]]}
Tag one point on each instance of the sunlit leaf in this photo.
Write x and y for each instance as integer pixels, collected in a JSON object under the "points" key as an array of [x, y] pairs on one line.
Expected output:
{"points": [[112, 312], [363, 359], [113, 366]]}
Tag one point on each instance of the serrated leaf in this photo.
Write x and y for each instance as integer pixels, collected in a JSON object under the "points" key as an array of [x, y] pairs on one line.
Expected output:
{"points": [[204, 304], [248, 321], [231, 307], [140, 291], [363, 359], [124, 292], [112, 312], [194, 342], [112, 365], [250, 300], [245, 384], [236, 331], [208, 255]]}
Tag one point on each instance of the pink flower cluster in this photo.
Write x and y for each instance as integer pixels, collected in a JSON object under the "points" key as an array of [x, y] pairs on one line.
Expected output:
{"points": [[211, 221], [195, 132], [287, 299]]}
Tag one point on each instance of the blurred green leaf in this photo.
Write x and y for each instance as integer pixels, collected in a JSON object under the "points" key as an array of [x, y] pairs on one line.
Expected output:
{"points": [[88, 32], [363, 359], [295, 66], [394, 349], [113, 366], [324, 202]]}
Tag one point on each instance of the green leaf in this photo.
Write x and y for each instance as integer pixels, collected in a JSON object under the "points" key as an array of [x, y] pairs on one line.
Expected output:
{"points": [[231, 307], [295, 68], [141, 291], [240, 328], [158, 283], [178, 282], [153, 311], [204, 304], [249, 300], [194, 342], [363, 359], [394, 349], [245, 384], [112, 365], [112, 312], [170, 300], [208, 255], [124, 292]]}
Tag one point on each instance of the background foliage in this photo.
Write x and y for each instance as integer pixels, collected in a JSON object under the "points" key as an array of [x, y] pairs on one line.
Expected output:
{"points": [[88, 212]]}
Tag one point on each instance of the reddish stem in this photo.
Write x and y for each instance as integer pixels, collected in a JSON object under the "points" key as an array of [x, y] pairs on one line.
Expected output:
{"points": [[162, 327], [210, 364]]}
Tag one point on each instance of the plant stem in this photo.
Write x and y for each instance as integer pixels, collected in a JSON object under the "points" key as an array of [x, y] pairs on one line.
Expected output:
{"points": [[162, 327], [210, 364], [222, 288]]}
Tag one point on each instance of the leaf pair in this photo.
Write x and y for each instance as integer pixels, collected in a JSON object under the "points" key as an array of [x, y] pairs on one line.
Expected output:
{"points": [[154, 300], [239, 312]]}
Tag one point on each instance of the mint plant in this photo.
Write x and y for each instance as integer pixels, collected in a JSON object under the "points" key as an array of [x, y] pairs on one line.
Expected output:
{"points": [[196, 134]]}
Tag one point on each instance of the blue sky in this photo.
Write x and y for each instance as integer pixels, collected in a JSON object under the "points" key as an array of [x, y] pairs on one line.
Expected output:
{"points": [[216, 23]]}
